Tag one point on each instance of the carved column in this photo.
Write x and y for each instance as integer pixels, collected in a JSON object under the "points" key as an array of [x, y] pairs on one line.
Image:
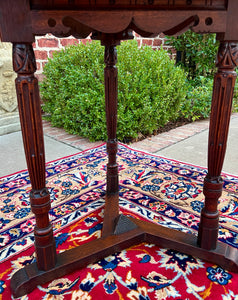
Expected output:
{"points": [[224, 82], [110, 81], [30, 115]]}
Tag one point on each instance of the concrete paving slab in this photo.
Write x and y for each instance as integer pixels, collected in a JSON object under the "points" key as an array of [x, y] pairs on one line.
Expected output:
{"points": [[194, 149], [12, 155]]}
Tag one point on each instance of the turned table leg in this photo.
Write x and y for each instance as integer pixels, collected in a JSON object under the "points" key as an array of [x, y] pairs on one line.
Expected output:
{"points": [[224, 82], [111, 210], [31, 124]]}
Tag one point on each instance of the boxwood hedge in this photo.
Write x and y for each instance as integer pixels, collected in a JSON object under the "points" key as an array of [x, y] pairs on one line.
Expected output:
{"points": [[150, 90]]}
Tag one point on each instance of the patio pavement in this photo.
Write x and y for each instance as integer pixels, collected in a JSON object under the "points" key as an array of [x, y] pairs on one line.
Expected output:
{"points": [[187, 143]]}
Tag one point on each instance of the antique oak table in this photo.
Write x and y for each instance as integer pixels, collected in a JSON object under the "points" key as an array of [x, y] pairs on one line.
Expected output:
{"points": [[112, 21]]}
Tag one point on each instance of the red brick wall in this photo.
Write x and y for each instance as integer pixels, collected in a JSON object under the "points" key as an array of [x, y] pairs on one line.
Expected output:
{"points": [[44, 47]]}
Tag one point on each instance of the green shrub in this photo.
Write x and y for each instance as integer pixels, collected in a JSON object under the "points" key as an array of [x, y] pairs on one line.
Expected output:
{"points": [[198, 53], [150, 90], [197, 104], [198, 101]]}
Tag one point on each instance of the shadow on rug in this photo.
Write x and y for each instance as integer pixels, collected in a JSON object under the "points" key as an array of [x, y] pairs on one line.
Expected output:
{"points": [[152, 188]]}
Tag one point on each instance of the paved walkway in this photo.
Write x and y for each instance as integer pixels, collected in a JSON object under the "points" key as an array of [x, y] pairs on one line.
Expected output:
{"points": [[152, 144], [187, 143]]}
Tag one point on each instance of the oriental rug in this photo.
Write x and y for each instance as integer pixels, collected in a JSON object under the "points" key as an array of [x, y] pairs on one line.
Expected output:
{"points": [[153, 188]]}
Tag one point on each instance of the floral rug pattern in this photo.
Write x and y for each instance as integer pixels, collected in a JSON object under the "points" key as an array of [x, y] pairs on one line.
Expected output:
{"points": [[152, 188]]}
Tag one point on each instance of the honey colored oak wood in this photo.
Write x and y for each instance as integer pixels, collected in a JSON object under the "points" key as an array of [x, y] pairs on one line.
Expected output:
{"points": [[111, 21]]}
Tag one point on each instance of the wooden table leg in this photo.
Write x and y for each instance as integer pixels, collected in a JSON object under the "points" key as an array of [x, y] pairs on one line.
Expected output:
{"points": [[113, 222], [31, 124], [111, 210], [224, 82]]}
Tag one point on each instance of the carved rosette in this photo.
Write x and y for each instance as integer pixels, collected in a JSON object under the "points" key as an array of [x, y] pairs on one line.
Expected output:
{"points": [[23, 59]]}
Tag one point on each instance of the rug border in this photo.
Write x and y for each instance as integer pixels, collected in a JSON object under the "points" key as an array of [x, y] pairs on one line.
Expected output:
{"points": [[128, 147], [174, 160], [51, 161]]}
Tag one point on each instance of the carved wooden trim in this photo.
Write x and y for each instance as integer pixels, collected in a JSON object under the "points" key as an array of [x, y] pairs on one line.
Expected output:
{"points": [[80, 23], [24, 59], [227, 57]]}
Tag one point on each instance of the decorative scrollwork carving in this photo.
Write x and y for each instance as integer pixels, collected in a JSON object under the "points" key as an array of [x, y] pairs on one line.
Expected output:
{"points": [[77, 29], [227, 57], [23, 59]]}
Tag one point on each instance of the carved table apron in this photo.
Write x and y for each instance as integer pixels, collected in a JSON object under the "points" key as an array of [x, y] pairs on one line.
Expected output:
{"points": [[111, 21]]}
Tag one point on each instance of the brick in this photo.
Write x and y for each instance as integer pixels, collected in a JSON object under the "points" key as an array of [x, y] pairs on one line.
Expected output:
{"points": [[48, 42], [139, 43], [85, 41], [40, 77], [85, 144], [174, 132], [147, 42], [74, 138], [174, 51], [51, 52], [41, 54], [46, 124], [148, 148], [157, 42], [62, 135], [79, 143], [162, 142], [185, 130], [66, 42], [38, 66], [183, 136], [43, 64], [54, 131], [67, 136]]}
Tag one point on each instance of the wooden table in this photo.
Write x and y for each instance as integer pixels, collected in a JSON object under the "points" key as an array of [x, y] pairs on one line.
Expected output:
{"points": [[112, 21]]}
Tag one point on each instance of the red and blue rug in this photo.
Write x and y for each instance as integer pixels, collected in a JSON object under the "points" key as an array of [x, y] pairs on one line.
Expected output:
{"points": [[154, 188]]}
